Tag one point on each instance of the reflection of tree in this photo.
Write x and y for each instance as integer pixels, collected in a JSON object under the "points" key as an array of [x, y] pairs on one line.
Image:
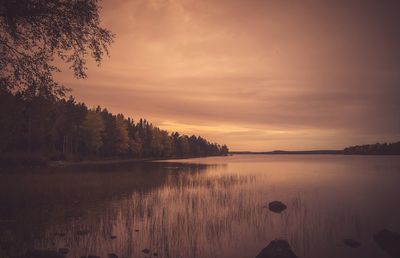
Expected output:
{"points": [[45, 204], [180, 210]]}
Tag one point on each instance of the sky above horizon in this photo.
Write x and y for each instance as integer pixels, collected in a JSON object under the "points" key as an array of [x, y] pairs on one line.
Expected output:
{"points": [[256, 75]]}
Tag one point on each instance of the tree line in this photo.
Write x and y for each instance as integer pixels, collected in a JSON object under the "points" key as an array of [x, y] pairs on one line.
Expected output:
{"points": [[62, 128], [35, 116], [374, 149]]}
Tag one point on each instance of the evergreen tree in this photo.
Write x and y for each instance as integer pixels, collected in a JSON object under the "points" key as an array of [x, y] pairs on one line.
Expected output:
{"points": [[122, 137], [69, 130], [92, 129]]}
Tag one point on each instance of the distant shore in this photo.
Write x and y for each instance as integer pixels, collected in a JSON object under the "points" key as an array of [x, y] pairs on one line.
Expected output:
{"points": [[367, 149], [279, 152], [310, 153]]}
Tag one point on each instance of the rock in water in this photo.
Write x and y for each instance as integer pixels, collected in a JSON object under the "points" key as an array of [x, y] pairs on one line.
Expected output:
{"points": [[389, 241], [351, 243], [277, 249], [277, 206], [146, 251]]}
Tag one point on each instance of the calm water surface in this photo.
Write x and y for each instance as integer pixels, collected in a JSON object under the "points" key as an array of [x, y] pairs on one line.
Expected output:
{"points": [[208, 207]]}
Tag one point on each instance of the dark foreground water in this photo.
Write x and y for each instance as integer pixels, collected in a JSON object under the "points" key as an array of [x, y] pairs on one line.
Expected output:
{"points": [[211, 207]]}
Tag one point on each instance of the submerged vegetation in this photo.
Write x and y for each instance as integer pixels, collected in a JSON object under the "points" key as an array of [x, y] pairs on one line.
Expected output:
{"points": [[63, 129]]}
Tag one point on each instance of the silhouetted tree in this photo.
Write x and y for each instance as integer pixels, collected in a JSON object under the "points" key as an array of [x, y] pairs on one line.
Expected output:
{"points": [[110, 134], [122, 137], [11, 121], [374, 149], [35, 32], [224, 150], [66, 133], [92, 128]]}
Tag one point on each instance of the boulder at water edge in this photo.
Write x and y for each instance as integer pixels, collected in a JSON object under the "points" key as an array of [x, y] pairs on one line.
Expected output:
{"points": [[277, 249]]}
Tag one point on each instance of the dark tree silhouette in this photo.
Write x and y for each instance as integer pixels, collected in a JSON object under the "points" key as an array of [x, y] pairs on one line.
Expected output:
{"points": [[374, 149], [33, 33], [43, 128]]}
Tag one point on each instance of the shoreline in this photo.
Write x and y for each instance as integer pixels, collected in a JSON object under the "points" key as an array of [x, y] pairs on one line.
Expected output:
{"points": [[32, 163], [118, 161], [28, 163], [62, 163]]}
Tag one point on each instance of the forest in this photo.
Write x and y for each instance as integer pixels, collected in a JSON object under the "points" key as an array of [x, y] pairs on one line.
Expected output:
{"points": [[374, 149], [38, 121], [63, 129]]}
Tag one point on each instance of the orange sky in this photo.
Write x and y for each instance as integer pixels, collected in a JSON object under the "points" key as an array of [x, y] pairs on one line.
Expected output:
{"points": [[254, 74]]}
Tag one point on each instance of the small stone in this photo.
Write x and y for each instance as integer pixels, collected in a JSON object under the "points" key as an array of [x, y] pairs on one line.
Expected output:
{"points": [[277, 206], [155, 254], [136, 230], [351, 243], [113, 237], [146, 251], [277, 249]]}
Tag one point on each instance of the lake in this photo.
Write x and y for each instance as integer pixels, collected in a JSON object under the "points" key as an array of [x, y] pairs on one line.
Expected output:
{"points": [[204, 207]]}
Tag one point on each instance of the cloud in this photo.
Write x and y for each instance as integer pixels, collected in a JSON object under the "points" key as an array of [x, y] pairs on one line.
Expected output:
{"points": [[256, 75]]}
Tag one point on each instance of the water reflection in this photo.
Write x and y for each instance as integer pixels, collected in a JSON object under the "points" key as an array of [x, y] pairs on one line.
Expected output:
{"points": [[204, 207]]}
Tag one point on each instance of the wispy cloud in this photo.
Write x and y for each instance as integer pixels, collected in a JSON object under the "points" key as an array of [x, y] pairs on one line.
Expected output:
{"points": [[257, 75]]}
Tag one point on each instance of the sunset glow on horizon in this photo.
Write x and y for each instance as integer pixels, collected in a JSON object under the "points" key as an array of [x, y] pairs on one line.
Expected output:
{"points": [[255, 75]]}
